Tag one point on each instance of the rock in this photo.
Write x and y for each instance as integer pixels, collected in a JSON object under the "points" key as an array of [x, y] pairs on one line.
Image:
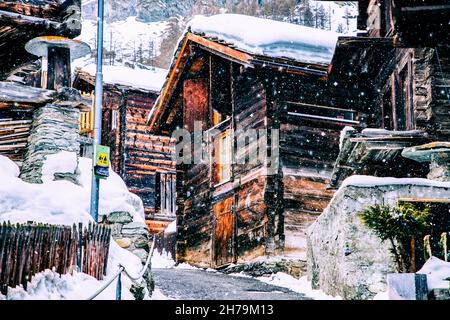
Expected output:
{"points": [[121, 217], [440, 294], [124, 242], [68, 94], [295, 268], [116, 230], [141, 254], [135, 229], [142, 243], [346, 258], [71, 177]]}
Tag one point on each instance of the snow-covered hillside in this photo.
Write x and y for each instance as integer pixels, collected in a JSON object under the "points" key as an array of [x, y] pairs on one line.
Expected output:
{"points": [[129, 39], [343, 15]]}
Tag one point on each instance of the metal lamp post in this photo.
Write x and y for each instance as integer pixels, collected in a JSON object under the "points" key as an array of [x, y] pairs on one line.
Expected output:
{"points": [[95, 189]]}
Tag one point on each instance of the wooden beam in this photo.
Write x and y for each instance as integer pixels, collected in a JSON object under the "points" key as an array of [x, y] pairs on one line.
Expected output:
{"points": [[230, 53], [18, 93], [44, 9], [28, 21], [426, 8], [169, 87]]}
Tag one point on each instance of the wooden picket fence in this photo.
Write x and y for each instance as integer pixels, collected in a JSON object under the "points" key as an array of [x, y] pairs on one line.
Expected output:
{"points": [[30, 248]]}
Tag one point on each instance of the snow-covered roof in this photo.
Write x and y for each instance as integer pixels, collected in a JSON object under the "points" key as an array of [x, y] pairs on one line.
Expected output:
{"points": [[147, 79], [269, 37]]}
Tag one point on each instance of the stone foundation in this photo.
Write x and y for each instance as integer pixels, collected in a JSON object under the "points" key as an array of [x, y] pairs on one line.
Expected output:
{"points": [[129, 234], [344, 257], [295, 268], [55, 128]]}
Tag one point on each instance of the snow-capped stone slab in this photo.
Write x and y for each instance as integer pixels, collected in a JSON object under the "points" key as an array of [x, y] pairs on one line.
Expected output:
{"points": [[437, 272], [269, 37]]}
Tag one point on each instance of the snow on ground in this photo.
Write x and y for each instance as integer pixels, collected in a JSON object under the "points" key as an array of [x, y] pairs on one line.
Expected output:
{"points": [[63, 161], [301, 285], [171, 228], [438, 273], [269, 37], [8, 169], [148, 79], [381, 296], [62, 202], [162, 260]]}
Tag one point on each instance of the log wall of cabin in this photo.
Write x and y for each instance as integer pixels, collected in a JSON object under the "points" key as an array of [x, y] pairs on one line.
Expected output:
{"points": [[195, 223], [145, 154], [227, 222], [136, 155], [194, 217], [430, 91], [15, 128], [440, 91], [308, 151], [255, 234]]}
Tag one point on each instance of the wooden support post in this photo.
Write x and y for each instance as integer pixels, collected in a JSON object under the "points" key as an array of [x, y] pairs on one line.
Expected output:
{"points": [[59, 72]]}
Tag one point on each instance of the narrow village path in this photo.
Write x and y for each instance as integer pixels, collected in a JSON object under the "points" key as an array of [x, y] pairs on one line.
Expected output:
{"points": [[196, 284]]}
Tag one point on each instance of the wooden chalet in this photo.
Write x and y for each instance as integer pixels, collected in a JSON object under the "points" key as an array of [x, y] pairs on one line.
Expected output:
{"points": [[234, 212], [20, 21], [143, 160], [408, 90]]}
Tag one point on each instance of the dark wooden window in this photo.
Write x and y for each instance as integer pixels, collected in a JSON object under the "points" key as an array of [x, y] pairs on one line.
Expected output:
{"points": [[403, 106], [165, 194]]}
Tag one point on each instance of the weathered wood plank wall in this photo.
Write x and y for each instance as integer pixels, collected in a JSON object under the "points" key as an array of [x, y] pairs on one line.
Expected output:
{"points": [[250, 113], [144, 154], [26, 250]]}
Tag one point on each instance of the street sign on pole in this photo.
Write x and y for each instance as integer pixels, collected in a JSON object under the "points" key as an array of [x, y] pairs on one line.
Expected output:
{"points": [[101, 167], [97, 111]]}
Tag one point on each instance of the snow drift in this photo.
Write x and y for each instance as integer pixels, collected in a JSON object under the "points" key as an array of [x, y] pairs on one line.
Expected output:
{"points": [[65, 203], [61, 202]]}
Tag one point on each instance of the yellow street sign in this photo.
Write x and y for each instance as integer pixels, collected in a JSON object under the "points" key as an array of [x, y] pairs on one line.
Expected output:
{"points": [[102, 156]]}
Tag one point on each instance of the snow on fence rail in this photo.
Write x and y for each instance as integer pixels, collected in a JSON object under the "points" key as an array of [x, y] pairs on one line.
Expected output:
{"points": [[30, 248]]}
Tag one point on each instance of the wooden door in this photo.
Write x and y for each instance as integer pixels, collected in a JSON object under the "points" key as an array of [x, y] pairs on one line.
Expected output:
{"points": [[223, 239]]}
